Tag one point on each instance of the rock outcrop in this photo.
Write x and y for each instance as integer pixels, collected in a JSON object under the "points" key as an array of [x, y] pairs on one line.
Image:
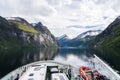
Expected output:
{"points": [[17, 32]]}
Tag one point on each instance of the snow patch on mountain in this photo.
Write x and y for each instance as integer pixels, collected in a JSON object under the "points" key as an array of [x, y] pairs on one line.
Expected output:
{"points": [[63, 37], [89, 33]]}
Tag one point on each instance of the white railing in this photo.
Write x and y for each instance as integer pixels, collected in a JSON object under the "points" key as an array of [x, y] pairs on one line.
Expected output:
{"points": [[103, 68]]}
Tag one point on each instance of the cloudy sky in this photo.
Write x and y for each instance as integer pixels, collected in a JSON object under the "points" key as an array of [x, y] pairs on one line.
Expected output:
{"points": [[70, 17]]}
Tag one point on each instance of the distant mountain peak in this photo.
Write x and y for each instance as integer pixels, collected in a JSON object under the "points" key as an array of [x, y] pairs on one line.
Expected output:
{"points": [[63, 37], [36, 24], [39, 26], [89, 33]]}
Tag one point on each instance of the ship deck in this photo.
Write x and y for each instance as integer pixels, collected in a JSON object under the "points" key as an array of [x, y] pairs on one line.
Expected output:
{"points": [[38, 70]]}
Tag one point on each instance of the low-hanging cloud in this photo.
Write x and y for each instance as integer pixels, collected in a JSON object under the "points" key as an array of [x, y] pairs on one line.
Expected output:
{"points": [[78, 26]]}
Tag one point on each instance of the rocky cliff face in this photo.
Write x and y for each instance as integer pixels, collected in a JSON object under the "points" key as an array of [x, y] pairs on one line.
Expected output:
{"points": [[45, 37], [17, 31]]}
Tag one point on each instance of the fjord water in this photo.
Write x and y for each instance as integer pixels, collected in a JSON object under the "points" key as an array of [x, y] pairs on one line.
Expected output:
{"points": [[11, 60]]}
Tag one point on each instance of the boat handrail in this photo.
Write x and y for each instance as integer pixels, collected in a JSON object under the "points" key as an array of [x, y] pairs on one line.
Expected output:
{"points": [[103, 64]]}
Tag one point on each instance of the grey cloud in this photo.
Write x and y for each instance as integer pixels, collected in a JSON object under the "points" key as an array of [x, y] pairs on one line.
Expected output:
{"points": [[86, 27], [90, 26], [24, 7], [75, 26], [53, 2], [6, 8], [101, 1], [105, 17], [28, 8], [42, 10], [46, 11], [74, 4], [116, 6], [73, 20]]}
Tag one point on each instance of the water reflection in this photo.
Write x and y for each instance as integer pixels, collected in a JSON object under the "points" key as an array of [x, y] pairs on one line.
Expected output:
{"points": [[10, 60], [111, 56], [75, 57]]}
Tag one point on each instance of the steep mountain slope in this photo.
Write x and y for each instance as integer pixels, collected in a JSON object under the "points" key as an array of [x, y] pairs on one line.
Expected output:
{"points": [[81, 41], [110, 37], [18, 33], [107, 44]]}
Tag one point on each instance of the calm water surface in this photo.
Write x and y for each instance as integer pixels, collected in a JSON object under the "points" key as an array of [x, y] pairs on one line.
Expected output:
{"points": [[14, 59]]}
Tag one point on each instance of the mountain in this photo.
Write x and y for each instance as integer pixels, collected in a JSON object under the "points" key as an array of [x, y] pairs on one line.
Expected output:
{"points": [[89, 33], [16, 33], [110, 37], [107, 44], [81, 41], [63, 37], [63, 40]]}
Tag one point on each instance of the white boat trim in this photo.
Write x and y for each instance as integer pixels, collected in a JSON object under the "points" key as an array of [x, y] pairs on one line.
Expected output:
{"points": [[100, 65]]}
